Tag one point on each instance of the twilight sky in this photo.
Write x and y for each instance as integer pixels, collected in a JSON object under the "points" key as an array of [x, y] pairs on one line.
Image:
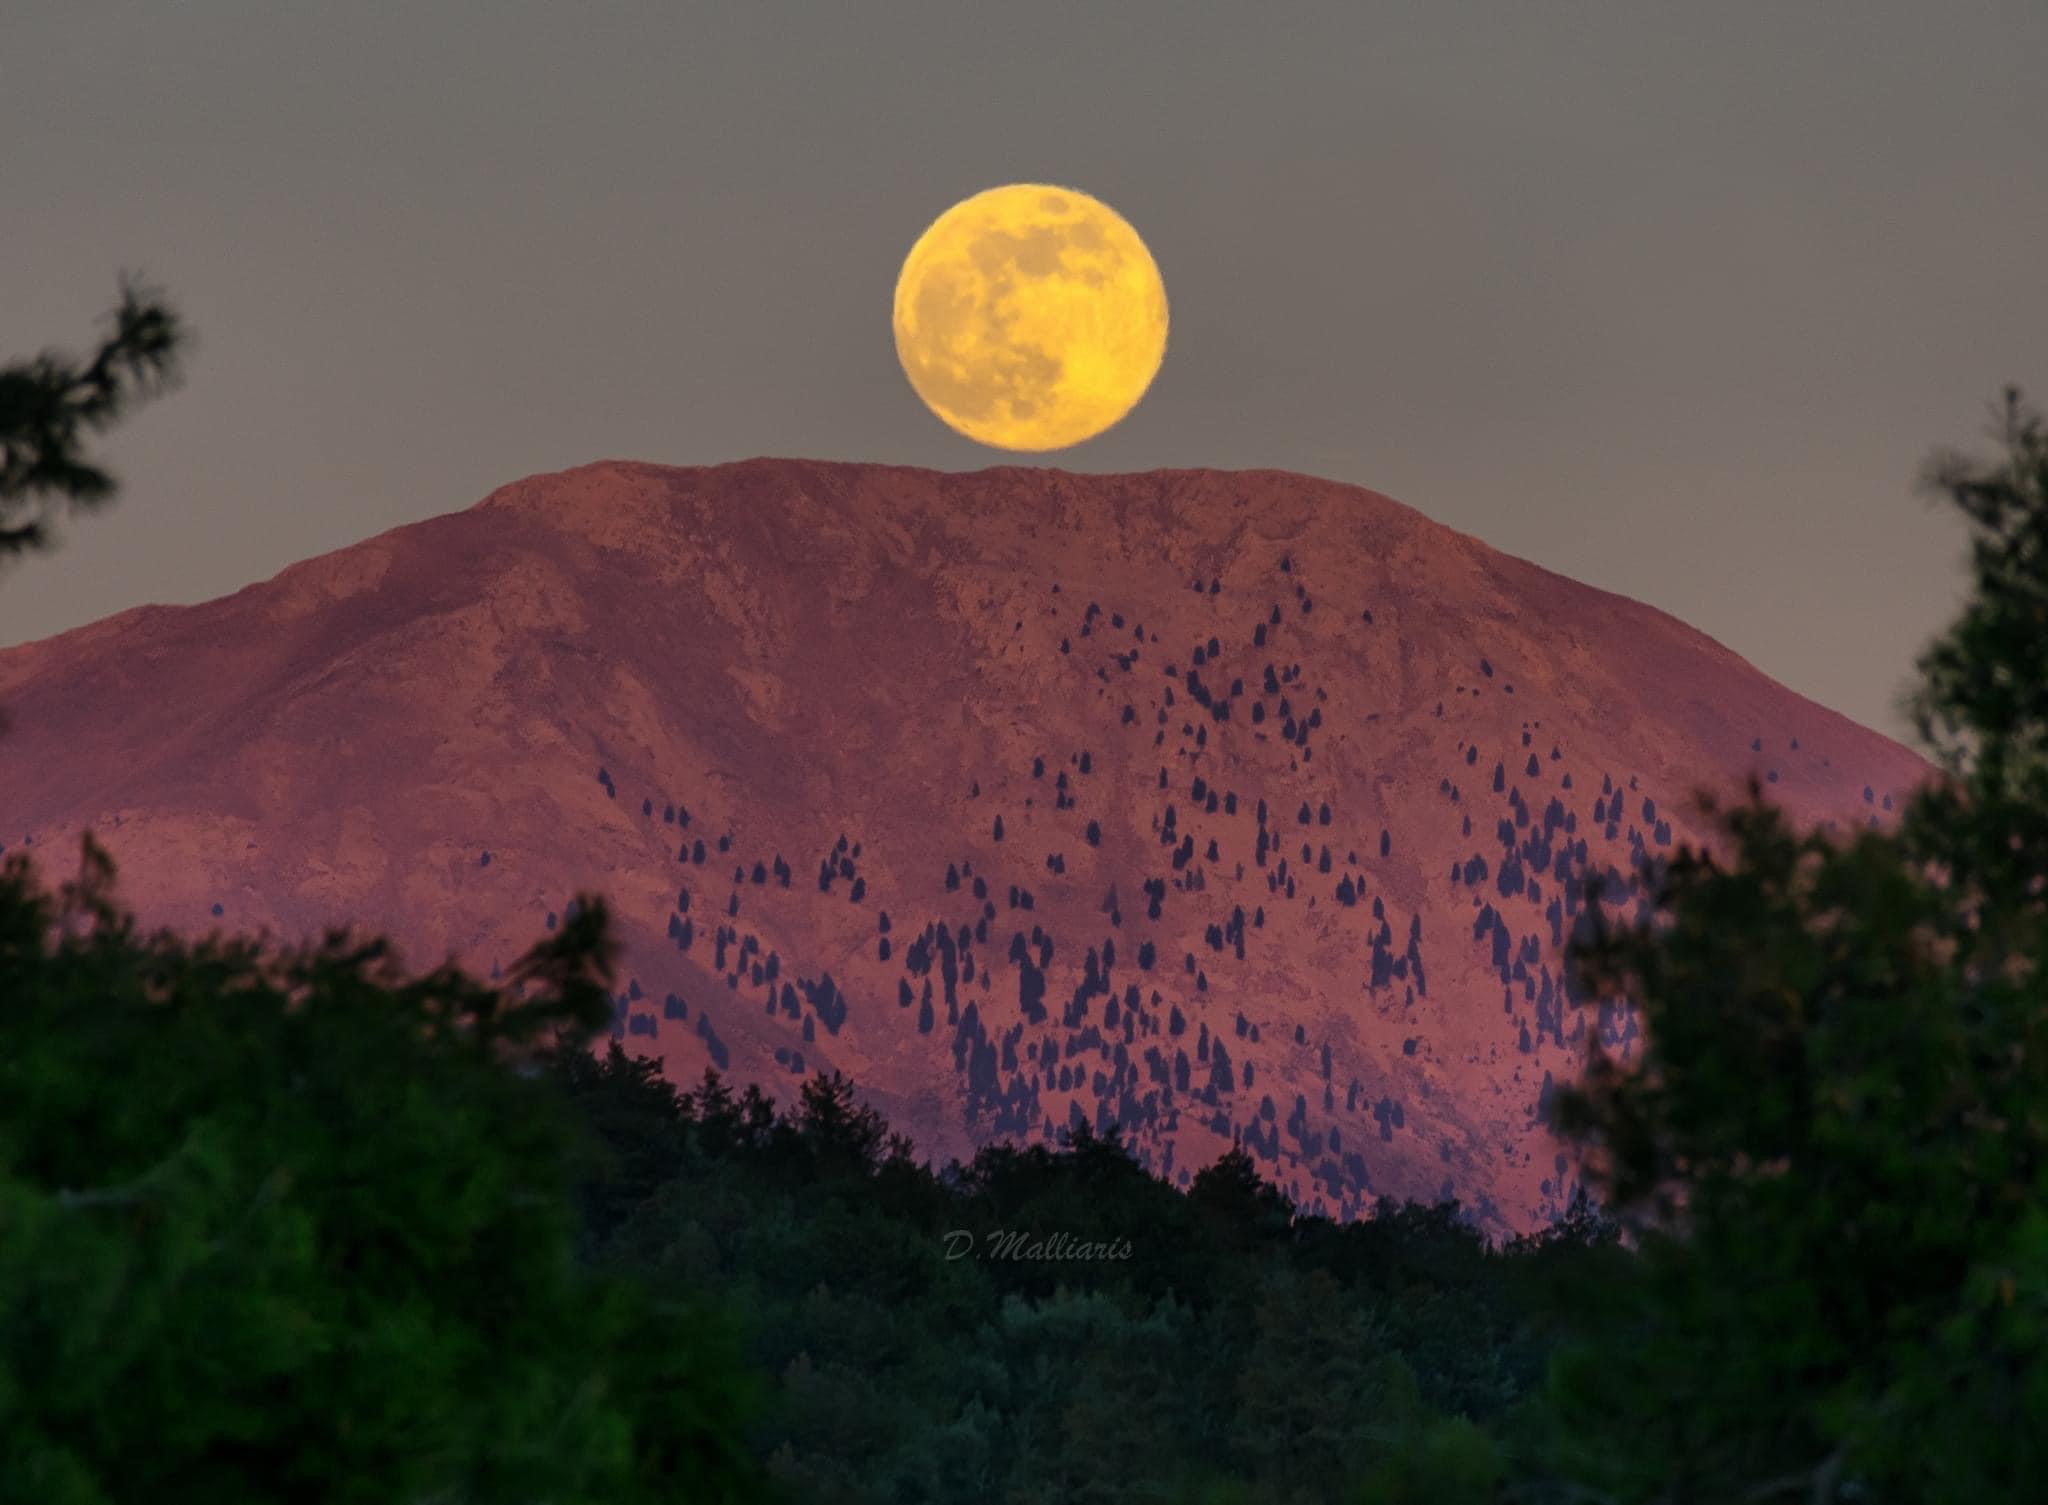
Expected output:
{"points": [[1673, 299]]}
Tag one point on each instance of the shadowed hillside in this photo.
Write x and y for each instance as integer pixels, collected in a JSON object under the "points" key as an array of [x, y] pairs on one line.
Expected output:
{"points": [[1222, 805]]}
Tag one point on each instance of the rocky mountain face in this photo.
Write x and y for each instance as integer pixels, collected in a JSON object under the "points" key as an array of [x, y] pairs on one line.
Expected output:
{"points": [[1218, 805]]}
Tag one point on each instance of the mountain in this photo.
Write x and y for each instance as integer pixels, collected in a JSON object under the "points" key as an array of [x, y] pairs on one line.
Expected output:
{"points": [[1219, 804]]}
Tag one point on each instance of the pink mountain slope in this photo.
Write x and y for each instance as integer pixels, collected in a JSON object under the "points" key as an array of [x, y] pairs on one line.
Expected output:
{"points": [[1223, 805]]}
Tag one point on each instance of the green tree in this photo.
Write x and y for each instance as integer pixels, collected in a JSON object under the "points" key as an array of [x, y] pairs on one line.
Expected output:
{"points": [[838, 1130], [50, 404], [295, 1226], [1834, 1152], [1242, 1209], [1096, 1420], [1448, 1461], [1315, 1388]]}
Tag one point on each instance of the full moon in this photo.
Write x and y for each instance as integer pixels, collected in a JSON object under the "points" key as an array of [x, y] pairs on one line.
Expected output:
{"points": [[1030, 317]]}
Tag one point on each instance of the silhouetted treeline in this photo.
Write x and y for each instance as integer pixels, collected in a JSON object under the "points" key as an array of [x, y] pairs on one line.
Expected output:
{"points": [[1058, 1324]]}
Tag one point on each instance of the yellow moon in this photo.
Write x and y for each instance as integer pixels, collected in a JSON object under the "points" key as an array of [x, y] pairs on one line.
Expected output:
{"points": [[1030, 317]]}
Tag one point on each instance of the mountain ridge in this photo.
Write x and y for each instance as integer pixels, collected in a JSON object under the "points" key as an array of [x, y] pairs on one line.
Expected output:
{"points": [[857, 671]]}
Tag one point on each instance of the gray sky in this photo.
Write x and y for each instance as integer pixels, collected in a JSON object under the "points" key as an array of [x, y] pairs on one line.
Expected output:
{"points": [[1673, 299]]}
